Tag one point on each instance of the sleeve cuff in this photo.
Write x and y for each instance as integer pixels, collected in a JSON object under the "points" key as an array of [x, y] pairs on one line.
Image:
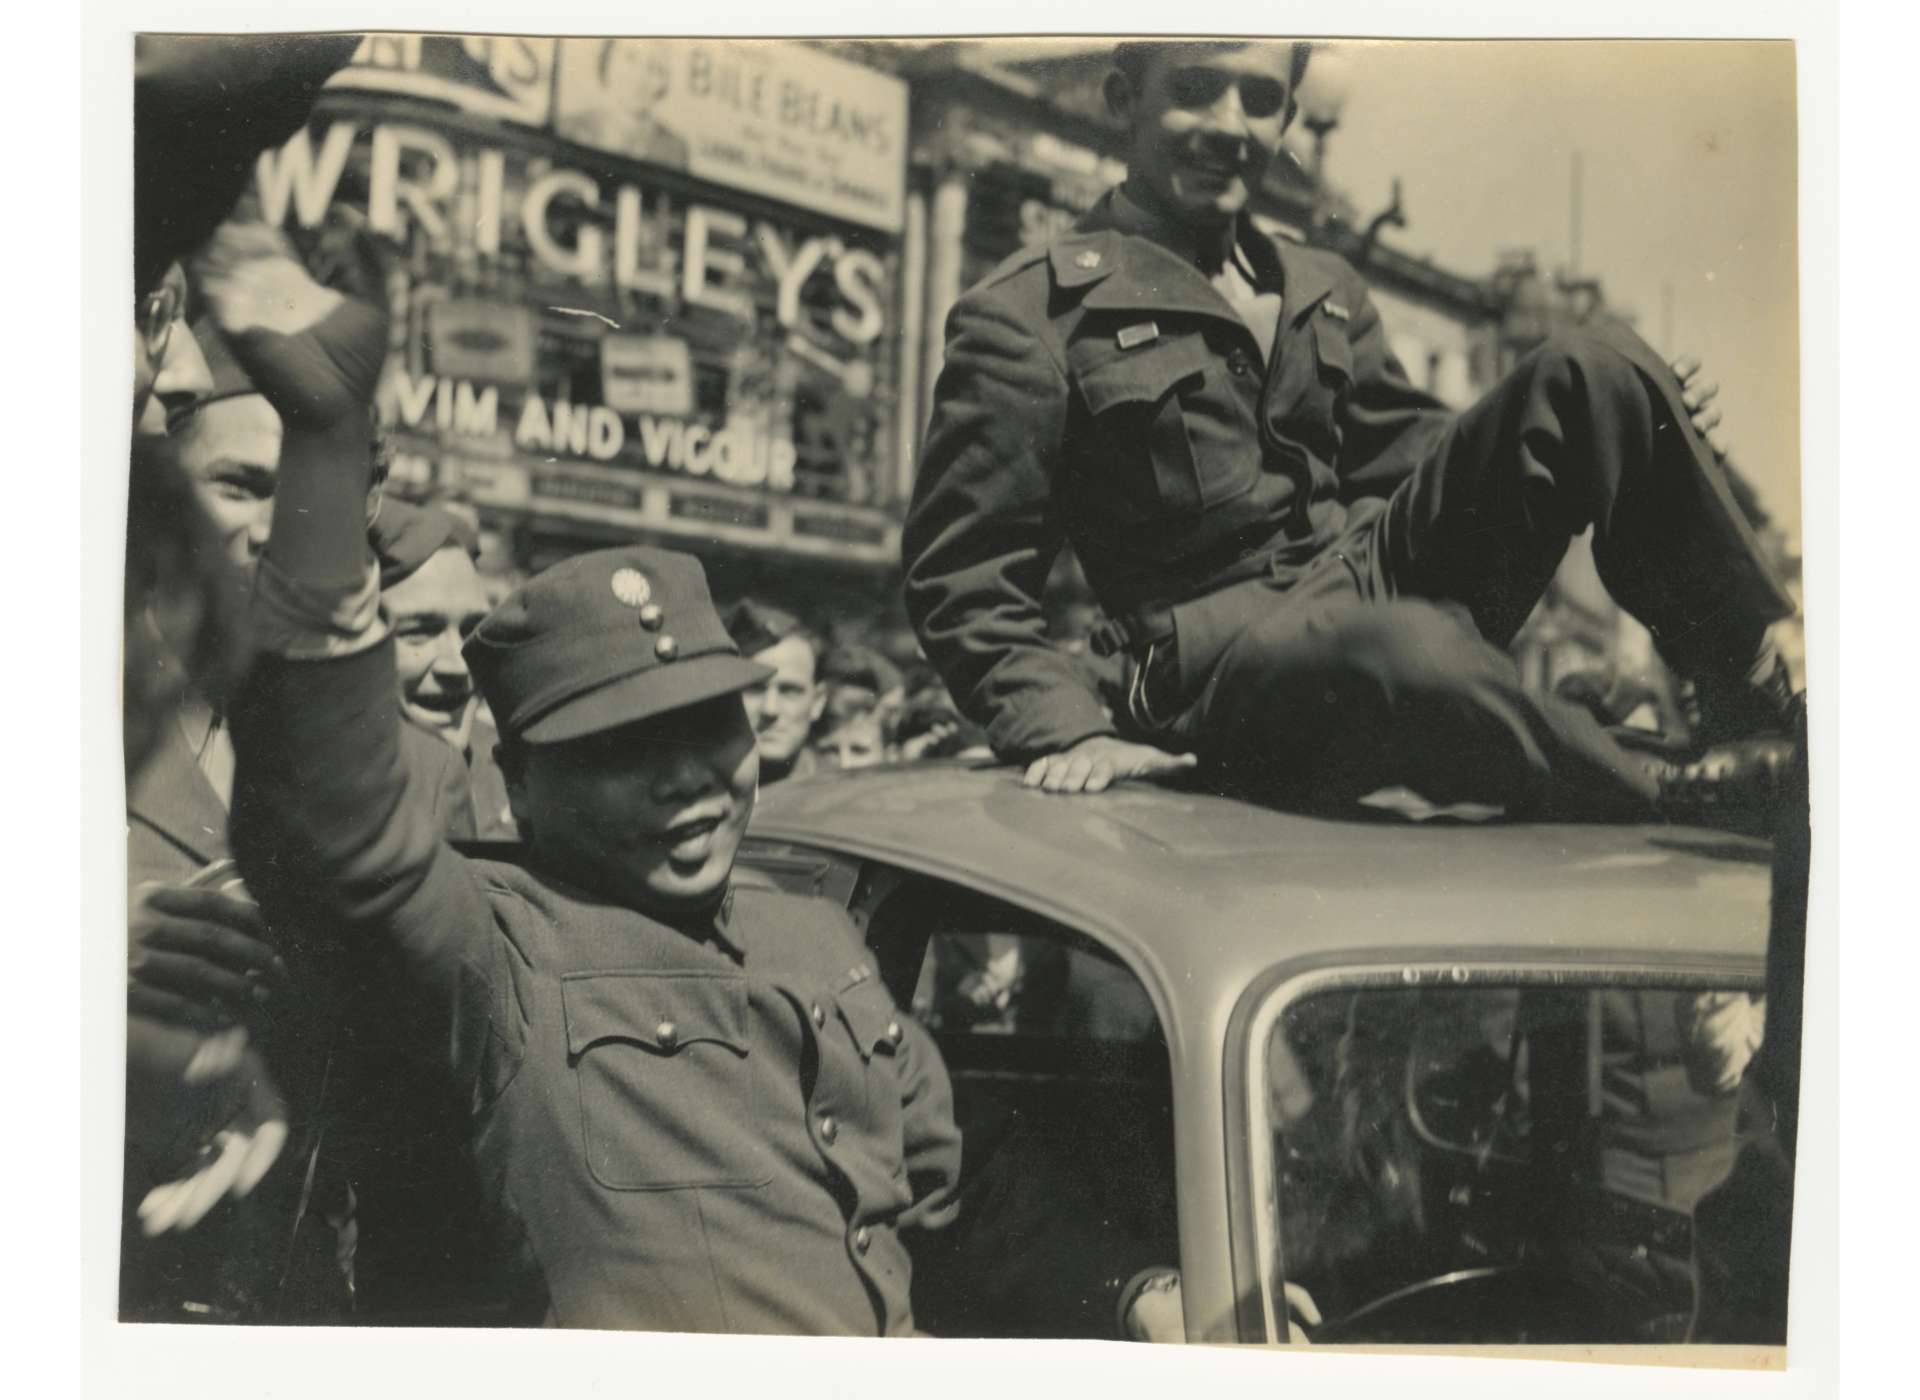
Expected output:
{"points": [[305, 621]]}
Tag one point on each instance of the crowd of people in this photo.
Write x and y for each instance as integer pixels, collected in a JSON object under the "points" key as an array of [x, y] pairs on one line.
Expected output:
{"points": [[347, 1040], [369, 1061]]}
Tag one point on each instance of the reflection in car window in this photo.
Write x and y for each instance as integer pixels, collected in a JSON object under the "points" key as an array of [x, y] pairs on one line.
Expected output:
{"points": [[1552, 1140], [1002, 981]]}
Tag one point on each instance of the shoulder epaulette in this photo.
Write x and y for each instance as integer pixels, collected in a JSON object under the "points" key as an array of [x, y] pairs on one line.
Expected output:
{"points": [[1016, 261]]}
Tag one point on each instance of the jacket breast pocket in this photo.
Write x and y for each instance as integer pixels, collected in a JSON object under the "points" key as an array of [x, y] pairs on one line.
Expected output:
{"points": [[661, 1061], [871, 1018], [1163, 440], [1325, 403]]}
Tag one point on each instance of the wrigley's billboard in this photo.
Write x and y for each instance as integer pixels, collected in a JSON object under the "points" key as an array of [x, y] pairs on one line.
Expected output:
{"points": [[774, 119]]}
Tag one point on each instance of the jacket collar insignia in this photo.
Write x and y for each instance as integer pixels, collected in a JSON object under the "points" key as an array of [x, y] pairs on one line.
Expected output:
{"points": [[1128, 272]]}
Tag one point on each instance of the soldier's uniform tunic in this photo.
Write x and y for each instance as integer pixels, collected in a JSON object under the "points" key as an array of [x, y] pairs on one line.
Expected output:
{"points": [[1314, 562], [725, 1126]]}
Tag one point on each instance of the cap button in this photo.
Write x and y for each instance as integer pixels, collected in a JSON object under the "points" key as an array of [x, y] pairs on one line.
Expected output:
{"points": [[666, 648], [650, 617]]}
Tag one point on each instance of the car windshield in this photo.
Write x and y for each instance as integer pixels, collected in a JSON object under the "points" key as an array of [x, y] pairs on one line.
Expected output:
{"points": [[1448, 1156]]}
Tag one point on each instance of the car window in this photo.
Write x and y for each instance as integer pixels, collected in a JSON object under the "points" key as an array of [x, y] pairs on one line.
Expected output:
{"points": [[1063, 1094], [1529, 1158], [1022, 981]]}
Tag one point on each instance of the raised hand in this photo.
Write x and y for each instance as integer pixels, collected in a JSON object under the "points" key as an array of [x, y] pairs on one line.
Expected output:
{"points": [[315, 354]]}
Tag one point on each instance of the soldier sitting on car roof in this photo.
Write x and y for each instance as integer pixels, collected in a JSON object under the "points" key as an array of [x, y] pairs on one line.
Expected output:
{"points": [[1312, 566], [692, 1105]]}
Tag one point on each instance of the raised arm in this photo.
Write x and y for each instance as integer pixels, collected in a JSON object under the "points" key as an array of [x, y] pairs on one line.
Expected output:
{"points": [[336, 834]]}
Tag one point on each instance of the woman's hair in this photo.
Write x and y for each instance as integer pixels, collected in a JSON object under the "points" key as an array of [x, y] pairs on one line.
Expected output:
{"points": [[183, 619]]}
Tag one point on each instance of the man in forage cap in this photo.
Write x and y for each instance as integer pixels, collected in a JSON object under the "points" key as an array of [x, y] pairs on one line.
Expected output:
{"points": [[692, 1103]]}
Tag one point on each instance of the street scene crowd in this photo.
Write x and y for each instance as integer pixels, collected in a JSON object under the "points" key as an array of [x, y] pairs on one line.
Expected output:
{"points": [[446, 1000]]}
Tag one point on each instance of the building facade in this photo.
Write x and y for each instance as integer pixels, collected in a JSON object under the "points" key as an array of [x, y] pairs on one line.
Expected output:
{"points": [[694, 292], [644, 291]]}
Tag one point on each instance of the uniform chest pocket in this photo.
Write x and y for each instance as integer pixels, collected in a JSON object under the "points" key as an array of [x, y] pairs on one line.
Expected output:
{"points": [[1168, 436], [1319, 418], [867, 1013], [661, 1062]]}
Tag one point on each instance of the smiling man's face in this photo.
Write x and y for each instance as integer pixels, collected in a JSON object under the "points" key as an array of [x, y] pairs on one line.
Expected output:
{"points": [[432, 611], [649, 815], [231, 449], [1205, 122]]}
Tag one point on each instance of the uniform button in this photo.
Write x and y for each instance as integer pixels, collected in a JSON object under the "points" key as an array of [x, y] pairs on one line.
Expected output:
{"points": [[1237, 362], [819, 1014], [829, 1129], [894, 1033], [667, 1034], [862, 1238]]}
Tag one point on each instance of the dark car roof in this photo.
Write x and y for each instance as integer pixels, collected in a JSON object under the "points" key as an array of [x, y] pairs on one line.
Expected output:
{"points": [[1219, 890]]}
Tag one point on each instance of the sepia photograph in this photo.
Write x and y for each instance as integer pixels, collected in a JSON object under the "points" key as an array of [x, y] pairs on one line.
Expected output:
{"points": [[1102, 688]]}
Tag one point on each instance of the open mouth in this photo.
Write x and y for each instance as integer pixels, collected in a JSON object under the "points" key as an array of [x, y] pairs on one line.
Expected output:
{"points": [[1213, 172], [690, 842], [441, 708]]}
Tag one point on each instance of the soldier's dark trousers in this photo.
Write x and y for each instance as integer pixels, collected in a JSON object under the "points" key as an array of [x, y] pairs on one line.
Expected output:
{"points": [[1384, 662]]}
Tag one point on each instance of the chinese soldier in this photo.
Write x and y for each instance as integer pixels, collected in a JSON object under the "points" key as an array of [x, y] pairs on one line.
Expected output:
{"points": [[691, 1104], [1311, 565]]}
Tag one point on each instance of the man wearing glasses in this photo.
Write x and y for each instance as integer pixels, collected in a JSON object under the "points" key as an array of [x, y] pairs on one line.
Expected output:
{"points": [[1311, 566], [169, 372]]}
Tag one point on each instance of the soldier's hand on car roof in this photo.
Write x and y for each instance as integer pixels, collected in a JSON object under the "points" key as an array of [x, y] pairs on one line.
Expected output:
{"points": [[1096, 763]]}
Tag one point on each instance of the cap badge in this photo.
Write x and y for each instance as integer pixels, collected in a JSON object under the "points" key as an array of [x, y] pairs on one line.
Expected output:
{"points": [[630, 586], [1088, 260]]}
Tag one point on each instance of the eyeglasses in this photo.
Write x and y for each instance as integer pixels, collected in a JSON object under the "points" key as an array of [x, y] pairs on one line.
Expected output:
{"points": [[158, 311], [1199, 88]]}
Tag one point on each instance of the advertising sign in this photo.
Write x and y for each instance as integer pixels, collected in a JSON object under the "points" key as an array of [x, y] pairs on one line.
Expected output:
{"points": [[646, 374], [564, 310], [772, 118], [489, 76], [484, 340]]}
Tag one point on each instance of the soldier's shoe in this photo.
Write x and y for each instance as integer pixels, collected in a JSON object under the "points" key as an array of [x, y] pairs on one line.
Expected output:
{"points": [[1724, 710], [1738, 786]]}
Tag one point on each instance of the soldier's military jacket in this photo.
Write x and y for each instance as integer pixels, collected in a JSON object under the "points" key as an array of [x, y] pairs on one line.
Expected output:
{"points": [[720, 1127], [1100, 392]]}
